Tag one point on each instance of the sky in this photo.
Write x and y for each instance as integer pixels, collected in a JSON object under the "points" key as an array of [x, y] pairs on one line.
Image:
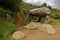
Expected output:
{"points": [[52, 3]]}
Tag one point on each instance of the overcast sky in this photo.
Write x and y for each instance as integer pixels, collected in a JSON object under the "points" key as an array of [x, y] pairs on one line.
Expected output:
{"points": [[52, 3]]}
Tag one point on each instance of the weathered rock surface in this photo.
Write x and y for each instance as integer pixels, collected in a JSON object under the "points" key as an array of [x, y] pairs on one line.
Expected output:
{"points": [[31, 25], [18, 35], [48, 28], [41, 27]]}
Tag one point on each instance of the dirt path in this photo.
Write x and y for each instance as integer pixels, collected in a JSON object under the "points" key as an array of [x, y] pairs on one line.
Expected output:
{"points": [[37, 35]]}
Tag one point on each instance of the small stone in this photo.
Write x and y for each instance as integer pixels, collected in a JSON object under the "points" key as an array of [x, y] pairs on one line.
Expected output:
{"points": [[18, 35]]}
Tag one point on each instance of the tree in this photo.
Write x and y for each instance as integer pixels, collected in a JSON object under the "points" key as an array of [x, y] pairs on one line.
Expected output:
{"points": [[12, 5], [49, 7], [44, 5]]}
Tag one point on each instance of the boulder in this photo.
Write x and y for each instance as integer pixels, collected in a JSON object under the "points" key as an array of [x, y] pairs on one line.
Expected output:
{"points": [[18, 35], [48, 28], [31, 25], [41, 27]]}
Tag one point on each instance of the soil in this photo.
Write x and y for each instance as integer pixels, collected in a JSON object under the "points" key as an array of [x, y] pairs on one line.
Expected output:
{"points": [[37, 35]]}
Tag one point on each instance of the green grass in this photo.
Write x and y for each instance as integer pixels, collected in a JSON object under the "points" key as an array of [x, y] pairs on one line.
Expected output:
{"points": [[6, 28], [54, 21], [4, 11], [56, 14], [2, 38]]}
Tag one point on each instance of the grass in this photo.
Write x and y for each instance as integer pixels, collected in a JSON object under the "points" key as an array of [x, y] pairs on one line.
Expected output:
{"points": [[6, 28], [55, 14], [54, 21]]}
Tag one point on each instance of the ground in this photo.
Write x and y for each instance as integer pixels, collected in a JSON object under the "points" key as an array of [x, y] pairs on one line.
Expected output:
{"points": [[37, 35]]}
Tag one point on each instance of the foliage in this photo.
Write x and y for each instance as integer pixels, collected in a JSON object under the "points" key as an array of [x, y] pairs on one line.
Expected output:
{"points": [[49, 7], [6, 28], [44, 5], [2, 38], [55, 14], [4, 11], [10, 4], [26, 6], [53, 21], [10, 7]]}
